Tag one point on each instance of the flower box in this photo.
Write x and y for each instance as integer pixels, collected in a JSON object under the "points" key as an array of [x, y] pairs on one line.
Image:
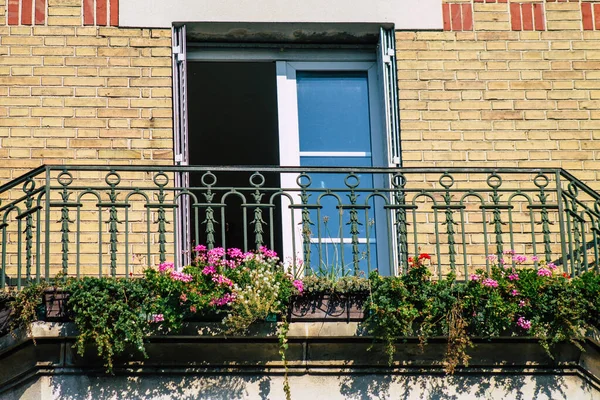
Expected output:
{"points": [[332, 307]]}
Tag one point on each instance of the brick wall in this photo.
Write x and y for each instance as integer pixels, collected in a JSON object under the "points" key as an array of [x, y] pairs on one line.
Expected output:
{"points": [[81, 94], [502, 96]]}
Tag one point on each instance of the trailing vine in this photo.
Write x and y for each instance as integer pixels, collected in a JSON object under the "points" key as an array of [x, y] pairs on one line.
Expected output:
{"points": [[110, 314], [282, 333]]}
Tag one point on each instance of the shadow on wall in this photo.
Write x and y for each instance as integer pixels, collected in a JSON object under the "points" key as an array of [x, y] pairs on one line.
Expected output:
{"points": [[442, 387], [315, 387], [214, 387]]}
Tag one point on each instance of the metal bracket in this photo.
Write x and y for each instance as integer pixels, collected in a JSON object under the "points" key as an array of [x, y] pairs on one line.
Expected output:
{"points": [[178, 157], [179, 54]]}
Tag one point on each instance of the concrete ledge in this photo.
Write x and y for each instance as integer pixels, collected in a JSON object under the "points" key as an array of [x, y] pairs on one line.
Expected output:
{"points": [[327, 349]]}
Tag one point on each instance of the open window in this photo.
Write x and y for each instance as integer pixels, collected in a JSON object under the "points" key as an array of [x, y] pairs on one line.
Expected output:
{"points": [[294, 106]]}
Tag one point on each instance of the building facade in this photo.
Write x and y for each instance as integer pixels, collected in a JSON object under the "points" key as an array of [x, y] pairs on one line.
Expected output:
{"points": [[106, 101]]}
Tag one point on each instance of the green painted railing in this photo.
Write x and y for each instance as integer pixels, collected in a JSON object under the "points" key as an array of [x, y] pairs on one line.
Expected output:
{"points": [[117, 220]]}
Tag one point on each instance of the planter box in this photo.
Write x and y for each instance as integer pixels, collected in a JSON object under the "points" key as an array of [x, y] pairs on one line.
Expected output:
{"points": [[328, 307]]}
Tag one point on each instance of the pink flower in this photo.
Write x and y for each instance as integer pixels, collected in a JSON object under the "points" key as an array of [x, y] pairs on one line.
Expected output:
{"points": [[535, 258], [235, 253], [299, 285], [524, 323], [519, 259], [157, 318], [268, 253], [180, 276], [513, 277], [489, 282], [492, 258], [522, 303], [474, 277], [209, 269], [215, 255], [221, 280], [509, 252], [183, 297], [200, 248], [163, 267], [552, 266], [226, 299], [501, 261], [514, 292], [544, 272], [230, 264], [193, 309]]}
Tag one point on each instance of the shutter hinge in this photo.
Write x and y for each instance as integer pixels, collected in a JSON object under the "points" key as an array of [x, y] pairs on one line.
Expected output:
{"points": [[179, 158], [178, 53], [387, 58]]}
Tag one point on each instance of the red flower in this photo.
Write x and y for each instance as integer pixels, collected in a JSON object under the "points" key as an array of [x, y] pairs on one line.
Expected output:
{"points": [[424, 256], [410, 259], [565, 275]]}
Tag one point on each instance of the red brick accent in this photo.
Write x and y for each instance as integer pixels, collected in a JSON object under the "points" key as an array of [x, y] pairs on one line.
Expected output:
{"points": [[590, 16], [515, 16], [490, 1], [88, 12], [467, 14], [13, 12], [23, 12], [527, 16], [26, 12], [538, 16], [561, 1], [457, 16], [587, 18], [40, 12], [101, 12], [114, 12], [446, 16]]}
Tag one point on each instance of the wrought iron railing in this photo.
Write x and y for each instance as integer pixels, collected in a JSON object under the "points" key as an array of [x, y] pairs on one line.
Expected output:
{"points": [[117, 220]]}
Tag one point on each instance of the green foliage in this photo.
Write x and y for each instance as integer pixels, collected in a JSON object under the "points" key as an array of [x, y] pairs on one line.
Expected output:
{"points": [[344, 285], [111, 314], [115, 316], [513, 300], [26, 305]]}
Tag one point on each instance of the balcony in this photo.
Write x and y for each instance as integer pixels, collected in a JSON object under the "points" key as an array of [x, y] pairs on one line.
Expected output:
{"points": [[116, 221]]}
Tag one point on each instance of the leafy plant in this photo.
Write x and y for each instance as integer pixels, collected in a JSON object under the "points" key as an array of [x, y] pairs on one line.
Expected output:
{"points": [[25, 306], [110, 313]]}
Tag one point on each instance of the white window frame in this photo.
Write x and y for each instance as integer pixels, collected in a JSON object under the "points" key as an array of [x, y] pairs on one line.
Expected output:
{"points": [[383, 108], [289, 141]]}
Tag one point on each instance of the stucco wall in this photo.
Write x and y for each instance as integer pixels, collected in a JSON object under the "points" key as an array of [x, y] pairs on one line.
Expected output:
{"points": [[317, 387]]}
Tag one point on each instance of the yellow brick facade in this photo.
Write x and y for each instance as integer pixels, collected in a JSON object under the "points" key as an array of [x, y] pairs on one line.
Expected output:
{"points": [[496, 97], [71, 94], [74, 94]]}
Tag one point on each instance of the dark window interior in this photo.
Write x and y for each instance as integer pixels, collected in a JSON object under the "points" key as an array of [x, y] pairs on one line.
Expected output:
{"points": [[232, 111]]}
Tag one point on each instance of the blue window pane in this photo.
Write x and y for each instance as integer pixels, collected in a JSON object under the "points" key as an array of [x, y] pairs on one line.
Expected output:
{"points": [[333, 111]]}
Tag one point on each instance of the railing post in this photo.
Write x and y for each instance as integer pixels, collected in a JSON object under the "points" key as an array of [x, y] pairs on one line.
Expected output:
{"points": [[561, 222], [47, 226]]}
